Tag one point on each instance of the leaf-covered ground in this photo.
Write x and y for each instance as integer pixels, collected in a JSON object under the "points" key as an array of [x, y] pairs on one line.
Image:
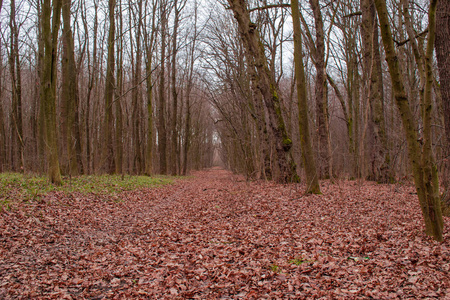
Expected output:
{"points": [[215, 236]]}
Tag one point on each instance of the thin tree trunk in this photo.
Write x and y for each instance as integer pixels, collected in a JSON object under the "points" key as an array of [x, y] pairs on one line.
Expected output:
{"points": [[108, 148], [136, 94], [174, 136], [148, 66], [118, 140], [162, 134], [16, 90]]}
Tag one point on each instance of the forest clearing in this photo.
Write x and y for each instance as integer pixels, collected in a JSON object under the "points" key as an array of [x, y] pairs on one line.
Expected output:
{"points": [[215, 235]]}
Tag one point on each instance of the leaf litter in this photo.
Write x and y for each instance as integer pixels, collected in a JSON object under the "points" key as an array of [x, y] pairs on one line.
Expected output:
{"points": [[216, 236]]}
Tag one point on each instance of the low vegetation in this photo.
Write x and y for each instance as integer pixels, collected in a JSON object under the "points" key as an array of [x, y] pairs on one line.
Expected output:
{"points": [[23, 187]]}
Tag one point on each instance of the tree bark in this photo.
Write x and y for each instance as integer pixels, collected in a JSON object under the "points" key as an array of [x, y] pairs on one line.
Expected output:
{"points": [[321, 95], [69, 95], [442, 45], [149, 44], [108, 163], [312, 180], [16, 91], [162, 133], [48, 84], [373, 75], [118, 140], [174, 133]]}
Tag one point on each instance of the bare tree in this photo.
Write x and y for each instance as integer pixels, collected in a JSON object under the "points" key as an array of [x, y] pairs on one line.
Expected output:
{"points": [[420, 155], [305, 139], [108, 149], [50, 28], [267, 86]]}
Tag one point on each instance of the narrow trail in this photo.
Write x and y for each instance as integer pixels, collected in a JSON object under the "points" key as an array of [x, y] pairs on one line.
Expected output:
{"points": [[216, 236]]}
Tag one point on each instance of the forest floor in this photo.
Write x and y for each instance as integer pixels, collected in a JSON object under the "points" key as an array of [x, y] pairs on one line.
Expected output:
{"points": [[216, 236]]}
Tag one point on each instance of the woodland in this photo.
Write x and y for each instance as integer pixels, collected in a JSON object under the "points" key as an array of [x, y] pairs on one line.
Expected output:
{"points": [[236, 149]]}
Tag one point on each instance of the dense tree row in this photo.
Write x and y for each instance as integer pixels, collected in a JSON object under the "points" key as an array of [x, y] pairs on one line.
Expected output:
{"points": [[95, 86], [276, 90]]}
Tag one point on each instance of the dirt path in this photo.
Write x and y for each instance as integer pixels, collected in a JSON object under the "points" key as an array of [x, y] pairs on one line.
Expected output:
{"points": [[215, 236]]}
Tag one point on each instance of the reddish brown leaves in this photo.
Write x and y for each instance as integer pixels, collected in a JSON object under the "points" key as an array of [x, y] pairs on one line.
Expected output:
{"points": [[216, 236]]}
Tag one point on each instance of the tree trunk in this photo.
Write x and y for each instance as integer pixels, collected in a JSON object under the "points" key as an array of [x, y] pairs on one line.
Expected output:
{"points": [[442, 45], [267, 85], [421, 160], [312, 180], [174, 133], [162, 134], [379, 156], [16, 90], [148, 67], [108, 126], [48, 84], [118, 140], [69, 95], [321, 95], [136, 93]]}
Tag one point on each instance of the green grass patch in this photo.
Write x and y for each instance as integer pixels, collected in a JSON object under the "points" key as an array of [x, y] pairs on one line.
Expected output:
{"points": [[299, 261], [20, 187]]}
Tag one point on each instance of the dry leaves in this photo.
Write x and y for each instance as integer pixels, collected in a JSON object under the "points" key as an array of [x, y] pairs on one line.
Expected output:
{"points": [[218, 237]]}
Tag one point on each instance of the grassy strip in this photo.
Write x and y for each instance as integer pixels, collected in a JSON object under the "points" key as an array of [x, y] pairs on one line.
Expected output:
{"points": [[19, 187]]}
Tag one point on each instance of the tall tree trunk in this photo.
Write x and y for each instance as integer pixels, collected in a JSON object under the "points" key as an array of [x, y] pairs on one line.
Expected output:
{"points": [[442, 45], [48, 84], [136, 94], [162, 134], [379, 156], [69, 95], [16, 90], [312, 180], [187, 128], [174, 133], [118, 140], [421, 160], [2, 125], [321, 95], [149, 44], [108, 126], [268, 87]]}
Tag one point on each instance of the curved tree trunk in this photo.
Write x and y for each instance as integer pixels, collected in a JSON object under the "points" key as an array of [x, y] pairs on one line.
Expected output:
{"points": [[421, 159], [267, 85]]}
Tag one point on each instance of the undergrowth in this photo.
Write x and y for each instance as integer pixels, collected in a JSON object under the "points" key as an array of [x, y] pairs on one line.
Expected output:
{"points": [[22, 187]]}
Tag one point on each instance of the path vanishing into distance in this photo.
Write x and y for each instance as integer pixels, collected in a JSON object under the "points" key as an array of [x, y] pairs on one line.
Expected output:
{"points": [[216, 236]]}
